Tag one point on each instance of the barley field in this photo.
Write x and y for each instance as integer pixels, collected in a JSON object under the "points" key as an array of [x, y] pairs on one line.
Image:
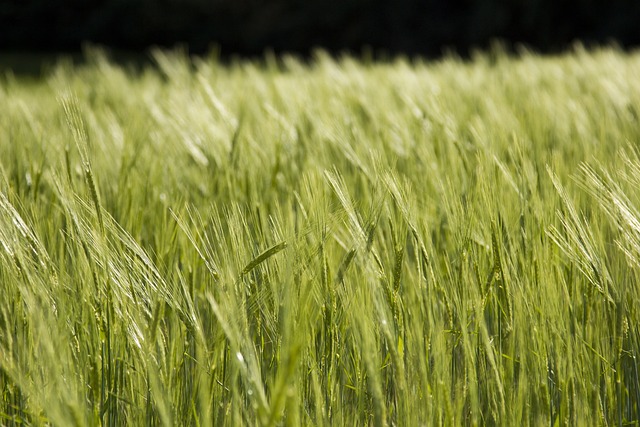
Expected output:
{"points": [[330, 242]]}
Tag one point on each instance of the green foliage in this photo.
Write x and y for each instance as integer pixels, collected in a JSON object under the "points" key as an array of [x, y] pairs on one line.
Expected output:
{"points": [[337, 243]]}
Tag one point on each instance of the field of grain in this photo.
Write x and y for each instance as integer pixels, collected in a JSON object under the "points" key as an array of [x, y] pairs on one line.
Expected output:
{"points": [[333, 242]]}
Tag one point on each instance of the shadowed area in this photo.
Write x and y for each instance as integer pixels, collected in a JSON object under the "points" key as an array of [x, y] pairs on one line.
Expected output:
{"points": [[249, 27]]}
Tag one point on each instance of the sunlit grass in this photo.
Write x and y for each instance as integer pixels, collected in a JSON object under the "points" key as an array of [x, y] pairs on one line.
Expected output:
{"points": [[408, 243]]}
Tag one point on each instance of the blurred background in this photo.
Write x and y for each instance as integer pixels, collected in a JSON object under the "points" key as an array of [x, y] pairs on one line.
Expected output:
{"points": [[248, 28]]}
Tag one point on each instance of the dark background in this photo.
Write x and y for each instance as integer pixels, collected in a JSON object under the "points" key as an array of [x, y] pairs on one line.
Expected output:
{"points": [[249, 27]]}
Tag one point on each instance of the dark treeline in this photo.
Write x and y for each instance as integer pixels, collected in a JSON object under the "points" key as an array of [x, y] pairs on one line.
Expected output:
{"points": [[249, 27]]}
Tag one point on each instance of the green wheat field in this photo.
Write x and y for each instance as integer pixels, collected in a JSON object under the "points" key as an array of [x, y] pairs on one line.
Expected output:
{"points": [[333, 242]]}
